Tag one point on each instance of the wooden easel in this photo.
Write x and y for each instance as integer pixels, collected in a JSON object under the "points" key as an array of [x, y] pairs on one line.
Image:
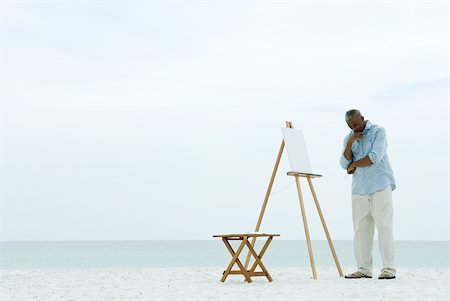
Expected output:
{"points": [[297, 176]]}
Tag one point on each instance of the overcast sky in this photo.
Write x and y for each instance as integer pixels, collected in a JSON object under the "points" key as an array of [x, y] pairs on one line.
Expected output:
{"points": [[161, 120]]}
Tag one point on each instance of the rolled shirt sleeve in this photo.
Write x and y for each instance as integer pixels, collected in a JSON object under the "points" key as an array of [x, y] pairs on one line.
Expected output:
{"points": [[344, 162], [379, 147]]}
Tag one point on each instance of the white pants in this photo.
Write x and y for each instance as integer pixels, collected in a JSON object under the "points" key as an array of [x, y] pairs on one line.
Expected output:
{"points": [[370, 211]]}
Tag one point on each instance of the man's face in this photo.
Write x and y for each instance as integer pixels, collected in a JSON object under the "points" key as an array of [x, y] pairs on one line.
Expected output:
{"points": [[356, 124]]}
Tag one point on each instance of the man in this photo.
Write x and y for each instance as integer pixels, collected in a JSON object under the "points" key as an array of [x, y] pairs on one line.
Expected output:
{"points": [[364, 156]]}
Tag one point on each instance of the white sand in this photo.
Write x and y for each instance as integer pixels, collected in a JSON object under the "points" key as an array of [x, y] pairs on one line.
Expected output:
{"points": [[203, 284]]}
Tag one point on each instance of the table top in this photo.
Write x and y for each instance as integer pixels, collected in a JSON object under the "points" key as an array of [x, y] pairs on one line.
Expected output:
{"points": [[246, 234]]}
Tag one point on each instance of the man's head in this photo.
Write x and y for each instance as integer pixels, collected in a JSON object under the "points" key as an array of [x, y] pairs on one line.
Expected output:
{"points": [[355, 120]]}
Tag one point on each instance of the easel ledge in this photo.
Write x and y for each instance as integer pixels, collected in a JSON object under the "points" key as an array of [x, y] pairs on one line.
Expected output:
{"points": [[305, 175]]}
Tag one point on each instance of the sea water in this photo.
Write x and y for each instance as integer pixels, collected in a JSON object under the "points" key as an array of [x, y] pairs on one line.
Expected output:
{"points": [[203, 253]]}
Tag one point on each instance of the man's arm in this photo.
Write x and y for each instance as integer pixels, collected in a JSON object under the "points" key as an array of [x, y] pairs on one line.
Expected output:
{"points": [[360, 163], [377, 152], [346, 155], [379, 147], [344, 161], [348, 147]]}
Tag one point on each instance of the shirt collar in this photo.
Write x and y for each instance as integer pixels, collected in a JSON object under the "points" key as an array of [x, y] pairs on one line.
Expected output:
{"points": [[367, 127]]}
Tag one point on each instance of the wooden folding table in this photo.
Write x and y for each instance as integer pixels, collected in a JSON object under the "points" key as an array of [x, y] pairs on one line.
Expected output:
{"points": [[235, 255]]}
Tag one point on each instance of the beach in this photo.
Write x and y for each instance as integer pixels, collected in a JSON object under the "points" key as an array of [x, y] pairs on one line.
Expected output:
{"points": [[203, 283], [191, 270]]}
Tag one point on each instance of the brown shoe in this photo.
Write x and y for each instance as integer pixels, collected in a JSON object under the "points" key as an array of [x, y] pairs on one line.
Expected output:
{"points": [[357, 275], [386, 275]]}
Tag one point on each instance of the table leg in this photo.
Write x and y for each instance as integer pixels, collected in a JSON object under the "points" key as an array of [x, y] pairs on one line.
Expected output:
{"points": [[235, 258], [258, 261], [263, 250]]}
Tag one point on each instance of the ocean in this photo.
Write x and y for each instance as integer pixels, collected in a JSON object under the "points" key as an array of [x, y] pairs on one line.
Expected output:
{"points": [[203, 253]]}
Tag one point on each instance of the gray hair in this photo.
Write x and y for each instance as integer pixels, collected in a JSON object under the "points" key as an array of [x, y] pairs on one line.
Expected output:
{"points": [[352, 113]]}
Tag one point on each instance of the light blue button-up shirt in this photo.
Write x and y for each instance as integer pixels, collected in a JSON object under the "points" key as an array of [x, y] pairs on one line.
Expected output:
{"points": [[379, 175]]}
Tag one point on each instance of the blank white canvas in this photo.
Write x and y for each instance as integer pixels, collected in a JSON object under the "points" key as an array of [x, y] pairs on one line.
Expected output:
{"points": [[296, 150]]}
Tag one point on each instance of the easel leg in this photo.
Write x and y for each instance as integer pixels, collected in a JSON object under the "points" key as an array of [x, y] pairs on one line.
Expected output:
{"points": [[305, 223], [263, 209], [330, 242]]}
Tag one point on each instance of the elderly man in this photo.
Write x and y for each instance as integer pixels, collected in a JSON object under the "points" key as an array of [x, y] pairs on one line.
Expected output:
{"points": [[364, 156]]}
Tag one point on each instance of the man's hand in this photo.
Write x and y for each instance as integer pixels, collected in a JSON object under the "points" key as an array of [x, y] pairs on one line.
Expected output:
{"points": [[351, 168], [348, 147], [356, 136]]}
